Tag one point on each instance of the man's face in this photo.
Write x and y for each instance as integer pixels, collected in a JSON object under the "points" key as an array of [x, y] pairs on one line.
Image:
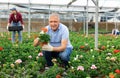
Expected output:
{"points": [[54, 22]]}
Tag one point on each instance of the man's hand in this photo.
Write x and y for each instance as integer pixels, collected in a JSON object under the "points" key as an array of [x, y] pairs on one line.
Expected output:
{"points": [[36, 42], [47, 47], [7, 27]]}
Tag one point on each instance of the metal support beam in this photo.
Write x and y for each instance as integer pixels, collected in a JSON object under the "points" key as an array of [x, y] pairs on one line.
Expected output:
{"points": [[94, 2], [87, 19], [70, 3], [106, 24], [84, 17], [96, 26], [58, 5], [115, 21], [29, 20]]}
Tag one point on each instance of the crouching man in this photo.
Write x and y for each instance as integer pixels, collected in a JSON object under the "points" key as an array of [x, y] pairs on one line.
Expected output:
{"points": [[59, 46]]}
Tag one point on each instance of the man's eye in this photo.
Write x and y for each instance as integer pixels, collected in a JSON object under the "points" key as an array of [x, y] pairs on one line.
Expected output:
{"points": [[53, 21]]}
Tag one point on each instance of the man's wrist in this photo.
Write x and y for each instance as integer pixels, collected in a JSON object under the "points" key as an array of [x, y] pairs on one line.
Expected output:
{"points": [[52, 48], [8, 24]]}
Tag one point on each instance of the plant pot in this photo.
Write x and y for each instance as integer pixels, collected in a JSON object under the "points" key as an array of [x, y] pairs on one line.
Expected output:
{"points": [[43, 43]]}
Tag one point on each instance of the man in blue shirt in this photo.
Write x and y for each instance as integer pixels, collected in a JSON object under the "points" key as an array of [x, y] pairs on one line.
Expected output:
{"points": [[59, 46]]}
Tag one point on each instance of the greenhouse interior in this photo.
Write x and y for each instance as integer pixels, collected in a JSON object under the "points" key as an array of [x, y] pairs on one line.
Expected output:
{"points": [[88, 29]]}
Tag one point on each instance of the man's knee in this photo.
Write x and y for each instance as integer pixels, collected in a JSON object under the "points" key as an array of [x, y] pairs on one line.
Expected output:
{"points": [[64, 57]]}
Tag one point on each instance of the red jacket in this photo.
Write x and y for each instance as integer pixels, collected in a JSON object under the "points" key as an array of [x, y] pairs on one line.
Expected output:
{"points": [[18, 18]]}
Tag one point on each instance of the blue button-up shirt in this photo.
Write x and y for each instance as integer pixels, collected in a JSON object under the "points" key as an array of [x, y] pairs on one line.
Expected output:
{"points": [[62, 33]]}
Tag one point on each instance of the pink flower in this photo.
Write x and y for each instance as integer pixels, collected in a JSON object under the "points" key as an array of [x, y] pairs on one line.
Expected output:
{"points": [[81, 56], [113, 58], [107, 58], [18, 61], [40, 54], [80, 68], [30, 56], [54, 60], [37, 57], [109, 54], [12, 65], [93, 67]]}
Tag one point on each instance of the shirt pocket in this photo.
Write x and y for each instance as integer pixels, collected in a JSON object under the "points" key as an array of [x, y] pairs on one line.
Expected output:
{"points": [[56, 38]]}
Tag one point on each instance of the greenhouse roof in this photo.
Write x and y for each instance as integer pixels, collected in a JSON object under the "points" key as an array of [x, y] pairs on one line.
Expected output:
{"points": [[62, 5], [102, 3]]}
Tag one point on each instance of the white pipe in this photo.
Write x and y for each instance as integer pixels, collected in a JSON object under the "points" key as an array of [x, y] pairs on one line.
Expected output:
{"points": [[96, 26], [87, 19], [106, 24], [29, 20]]}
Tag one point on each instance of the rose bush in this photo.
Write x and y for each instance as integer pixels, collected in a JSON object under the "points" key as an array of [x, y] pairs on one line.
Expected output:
{"points": [[44, 38], [103, 63]]}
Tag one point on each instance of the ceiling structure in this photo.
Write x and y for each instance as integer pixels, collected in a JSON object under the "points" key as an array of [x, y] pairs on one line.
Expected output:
{"points": [[63, 7]]}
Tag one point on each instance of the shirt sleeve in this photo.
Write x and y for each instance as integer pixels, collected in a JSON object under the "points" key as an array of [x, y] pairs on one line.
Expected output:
{"points": [[65, 34], [21, 20], [10, 18]]}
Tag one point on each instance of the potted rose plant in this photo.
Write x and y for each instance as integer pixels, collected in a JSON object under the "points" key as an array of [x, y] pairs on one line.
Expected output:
{"points": [[44, 38]]}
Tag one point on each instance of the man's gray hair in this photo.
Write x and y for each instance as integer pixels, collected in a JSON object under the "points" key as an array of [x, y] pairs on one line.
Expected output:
{"points": [[55, 14]]}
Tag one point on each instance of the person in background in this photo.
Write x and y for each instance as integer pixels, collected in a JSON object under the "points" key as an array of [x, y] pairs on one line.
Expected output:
{"points": [[115, 32], [15, 19], [60, 45]]}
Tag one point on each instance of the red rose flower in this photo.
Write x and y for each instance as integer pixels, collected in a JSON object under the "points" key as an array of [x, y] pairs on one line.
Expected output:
{"points": [[1, 48], [58, 76], [44, 30], [81, 47], [116, 51], [111, 75], [103, 47], [117, 71], [9, 39]]}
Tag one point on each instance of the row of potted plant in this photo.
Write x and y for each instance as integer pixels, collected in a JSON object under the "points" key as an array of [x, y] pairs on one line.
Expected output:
{"points": [[25, 60]]}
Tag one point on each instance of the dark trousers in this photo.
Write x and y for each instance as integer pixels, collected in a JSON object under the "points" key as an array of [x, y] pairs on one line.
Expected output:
{"points": [[63, 56]]}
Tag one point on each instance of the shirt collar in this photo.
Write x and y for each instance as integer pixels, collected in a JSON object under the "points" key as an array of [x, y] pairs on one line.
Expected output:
{"points": [[59, 26]]}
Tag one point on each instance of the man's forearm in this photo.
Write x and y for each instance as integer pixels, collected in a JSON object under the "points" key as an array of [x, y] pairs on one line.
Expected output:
{"points": [[59, 49]]}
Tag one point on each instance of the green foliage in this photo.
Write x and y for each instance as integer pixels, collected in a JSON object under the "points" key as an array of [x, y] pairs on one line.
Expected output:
{"points": [[44, 38], [104, 59]]}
